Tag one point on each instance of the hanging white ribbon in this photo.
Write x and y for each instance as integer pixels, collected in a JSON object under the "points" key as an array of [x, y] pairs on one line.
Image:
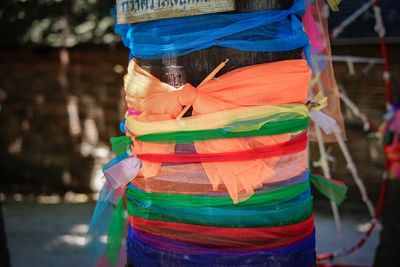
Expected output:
{"points": [[326, 123]]}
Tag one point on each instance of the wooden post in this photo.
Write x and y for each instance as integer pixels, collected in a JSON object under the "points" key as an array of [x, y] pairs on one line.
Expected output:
{"points": [[4, 255], [194, 67], [387, 253]]}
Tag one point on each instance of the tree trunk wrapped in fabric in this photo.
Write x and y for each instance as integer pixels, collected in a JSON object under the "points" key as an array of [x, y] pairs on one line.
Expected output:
{"points": [[217, 115]]}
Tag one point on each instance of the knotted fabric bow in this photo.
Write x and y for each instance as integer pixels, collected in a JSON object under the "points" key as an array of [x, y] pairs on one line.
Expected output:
{"points": [[251, 86]]}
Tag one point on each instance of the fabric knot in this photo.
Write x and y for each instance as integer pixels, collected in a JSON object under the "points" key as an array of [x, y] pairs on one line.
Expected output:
{"points": [[298, 8], [187, 95], [319, 102]]}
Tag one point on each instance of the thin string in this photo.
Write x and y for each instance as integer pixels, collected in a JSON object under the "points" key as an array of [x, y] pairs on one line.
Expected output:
{"points": [[208, 78]]}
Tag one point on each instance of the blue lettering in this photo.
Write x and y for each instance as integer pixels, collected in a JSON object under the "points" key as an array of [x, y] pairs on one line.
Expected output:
{"points": [[123, 4], [145, 4]]}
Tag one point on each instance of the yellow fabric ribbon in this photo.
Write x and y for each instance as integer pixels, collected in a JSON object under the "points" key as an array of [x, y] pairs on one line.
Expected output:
{"points": [[268, 113], [318, 103], [334, 4]]}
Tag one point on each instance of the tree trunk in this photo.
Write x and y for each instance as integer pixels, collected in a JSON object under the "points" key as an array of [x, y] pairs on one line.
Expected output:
{"points": [[387, 253], [194, 67]]}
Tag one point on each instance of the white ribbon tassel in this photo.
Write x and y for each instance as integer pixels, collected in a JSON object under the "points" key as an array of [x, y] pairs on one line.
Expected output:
{"points": [[121, 173], [323, 121], [326, 123]]}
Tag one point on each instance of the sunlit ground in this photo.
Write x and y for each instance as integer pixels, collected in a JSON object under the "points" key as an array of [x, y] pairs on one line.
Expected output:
{"points": [[353, 227], [49, 231], [41, 235]]}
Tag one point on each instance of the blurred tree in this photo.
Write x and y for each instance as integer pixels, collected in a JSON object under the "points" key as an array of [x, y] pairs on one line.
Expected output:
{"points": [[41, 22]]}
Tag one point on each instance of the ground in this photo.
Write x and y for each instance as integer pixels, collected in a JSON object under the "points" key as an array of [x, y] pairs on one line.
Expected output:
{"points": [[45, 235]]}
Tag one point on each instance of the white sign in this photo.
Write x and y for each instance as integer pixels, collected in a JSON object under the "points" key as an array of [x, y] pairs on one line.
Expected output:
{"points": [[132, 11]]}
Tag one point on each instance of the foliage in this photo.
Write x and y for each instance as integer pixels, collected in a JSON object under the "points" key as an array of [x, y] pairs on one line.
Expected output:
{"points": [[55, 23]]}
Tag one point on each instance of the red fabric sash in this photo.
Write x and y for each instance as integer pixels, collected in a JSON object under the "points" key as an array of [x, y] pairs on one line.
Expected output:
{"points": [[292, 146], [227, 238]]}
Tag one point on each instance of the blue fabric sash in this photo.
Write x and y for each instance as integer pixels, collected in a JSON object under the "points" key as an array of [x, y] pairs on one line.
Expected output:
{"points": [[142, 254], [259, 31]]}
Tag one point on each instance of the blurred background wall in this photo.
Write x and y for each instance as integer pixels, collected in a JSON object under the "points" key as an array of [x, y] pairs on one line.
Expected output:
{"points": [[61, 77], [61, 98]]}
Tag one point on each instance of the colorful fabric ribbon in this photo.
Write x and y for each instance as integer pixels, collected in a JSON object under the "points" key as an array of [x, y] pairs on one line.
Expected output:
{"points": [[120, 144], [229, 121], [202, 186], [272, 128], [272, 193], [290, 212], [192, 178], [227, 186], [228, 238], [212, 232], [271, 196], [295, 145], [188, 248], [315, 23], [259, 31], [101, 222], [334, 190], [246, 87], [251, 86], [152, 251], [121, 170]]}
